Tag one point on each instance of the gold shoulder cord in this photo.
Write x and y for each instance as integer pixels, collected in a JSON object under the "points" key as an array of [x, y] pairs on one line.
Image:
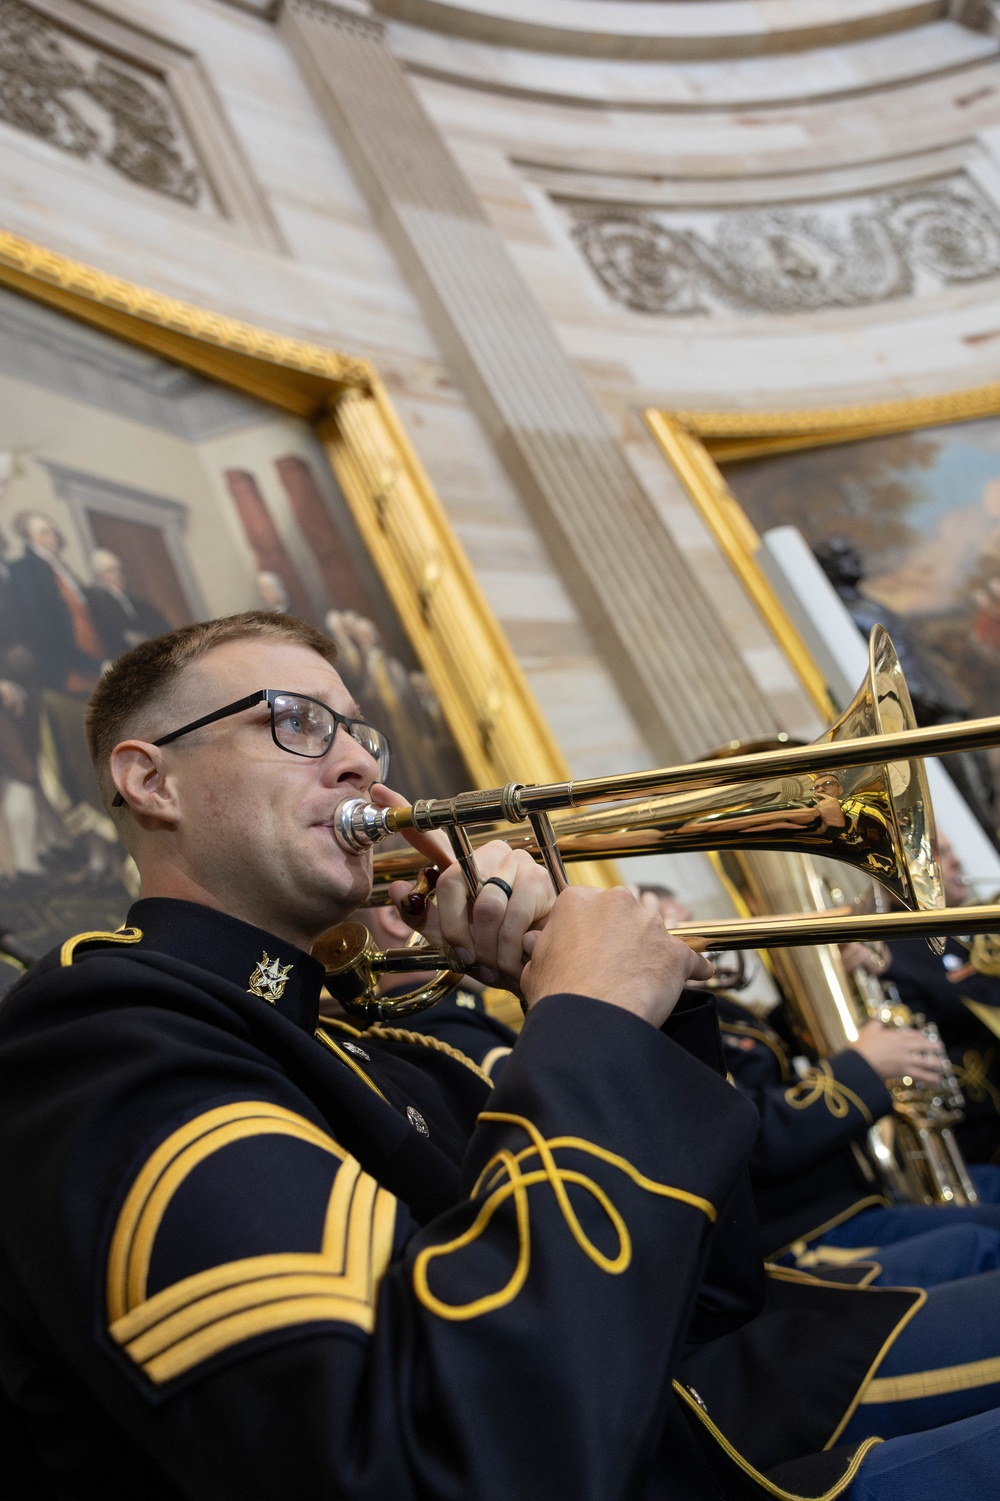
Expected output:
{"points": [[341, 1025], [124, 935], [399, 1034]]}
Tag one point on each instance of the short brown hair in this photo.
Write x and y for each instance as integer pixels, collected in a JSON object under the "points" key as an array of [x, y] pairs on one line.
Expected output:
{"points": [[142, 678]]}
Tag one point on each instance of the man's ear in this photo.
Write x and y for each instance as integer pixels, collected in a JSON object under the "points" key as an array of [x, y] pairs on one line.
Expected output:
{"points": [[138, 772]]}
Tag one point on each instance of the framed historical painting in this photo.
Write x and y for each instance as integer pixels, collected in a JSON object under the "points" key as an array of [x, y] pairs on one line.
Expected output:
{"points": [[901, 504], [161, 464], [912, 489]]}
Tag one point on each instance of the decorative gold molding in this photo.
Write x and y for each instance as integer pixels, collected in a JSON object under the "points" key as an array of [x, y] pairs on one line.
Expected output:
{"points": [[728, 436], [485, 698], [298, 377], [692, 460]]}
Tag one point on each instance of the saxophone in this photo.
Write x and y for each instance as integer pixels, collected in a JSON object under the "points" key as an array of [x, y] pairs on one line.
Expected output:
{"points": [[913, 1155]]}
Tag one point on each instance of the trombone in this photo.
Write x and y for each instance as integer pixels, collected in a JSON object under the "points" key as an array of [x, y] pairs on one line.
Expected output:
{"points": [[858, 794]]}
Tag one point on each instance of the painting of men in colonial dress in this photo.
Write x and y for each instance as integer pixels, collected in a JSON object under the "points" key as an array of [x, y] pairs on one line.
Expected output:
{"points": [[130, 505]]}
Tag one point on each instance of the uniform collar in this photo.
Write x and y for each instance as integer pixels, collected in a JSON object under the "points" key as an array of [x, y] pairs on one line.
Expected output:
{"points": [[282, 975]]}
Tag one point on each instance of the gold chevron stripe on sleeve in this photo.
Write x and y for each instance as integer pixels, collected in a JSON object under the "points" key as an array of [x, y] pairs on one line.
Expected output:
{"points": [[201, 1315]]}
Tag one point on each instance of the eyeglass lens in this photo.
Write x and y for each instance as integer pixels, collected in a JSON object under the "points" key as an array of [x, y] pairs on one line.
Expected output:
{"points": [[306, 728]]}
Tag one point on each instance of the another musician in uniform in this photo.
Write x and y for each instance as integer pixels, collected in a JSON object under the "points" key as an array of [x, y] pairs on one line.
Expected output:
{"points": [[819, 1195], [960, 992], [240, 1259], [816, 1186]]}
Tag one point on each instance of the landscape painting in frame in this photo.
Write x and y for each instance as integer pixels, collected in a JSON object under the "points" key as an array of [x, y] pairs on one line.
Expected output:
{"points": [[922, 509], [135, 497]]}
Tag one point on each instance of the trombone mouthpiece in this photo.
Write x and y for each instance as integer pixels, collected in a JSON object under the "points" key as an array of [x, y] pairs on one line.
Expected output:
{"points": [[359, 825]]}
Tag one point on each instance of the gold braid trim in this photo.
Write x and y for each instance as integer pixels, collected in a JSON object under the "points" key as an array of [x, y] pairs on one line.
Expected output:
{"points": [[743, 1029], [502, 1178], [820, 1084], [399, 1034], [329, 1042], [124, 935], [973, 1077], [340, 1024], [689, 1396]]}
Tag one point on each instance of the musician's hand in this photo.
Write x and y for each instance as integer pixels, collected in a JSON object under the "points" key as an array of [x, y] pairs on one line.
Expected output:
{"points": [[607, 945], [432, 843], [898, 1052], [831, 811], [492, 935], [487, 936], [872, 958]]}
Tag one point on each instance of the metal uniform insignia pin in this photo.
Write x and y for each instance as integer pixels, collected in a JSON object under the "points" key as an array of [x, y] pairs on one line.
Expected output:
{"points": [[417, 1121], [468, 1001], [269, 979], [352, 1047]]}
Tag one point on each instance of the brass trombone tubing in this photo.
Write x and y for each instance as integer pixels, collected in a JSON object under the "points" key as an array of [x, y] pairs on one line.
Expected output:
{"points": [[794, 931], [500, 803], [783, 932]]}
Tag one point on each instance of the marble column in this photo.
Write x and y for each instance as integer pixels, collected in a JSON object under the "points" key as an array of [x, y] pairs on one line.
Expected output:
{"points": [[676, 668]]}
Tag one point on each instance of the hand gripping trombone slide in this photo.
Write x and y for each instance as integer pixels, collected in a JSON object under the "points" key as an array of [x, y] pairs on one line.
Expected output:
{"points": [[858, 794]]}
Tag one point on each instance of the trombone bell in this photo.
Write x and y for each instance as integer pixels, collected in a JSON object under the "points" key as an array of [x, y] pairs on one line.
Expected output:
{"points": [[853, 806]]}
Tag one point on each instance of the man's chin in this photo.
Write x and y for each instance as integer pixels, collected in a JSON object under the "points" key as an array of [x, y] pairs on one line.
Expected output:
{"points": [[342, 895]]}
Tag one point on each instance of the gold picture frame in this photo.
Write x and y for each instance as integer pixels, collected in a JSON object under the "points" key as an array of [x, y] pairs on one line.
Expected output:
{"points": [[696, 443], [487, 703]]}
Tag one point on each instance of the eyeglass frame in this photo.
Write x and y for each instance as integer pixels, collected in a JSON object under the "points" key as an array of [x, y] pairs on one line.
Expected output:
{"points": [[268, 695]]}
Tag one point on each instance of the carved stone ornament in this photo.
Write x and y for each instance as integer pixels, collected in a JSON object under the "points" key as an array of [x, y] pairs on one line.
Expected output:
{"points": [[69, 95], [850, 253]]}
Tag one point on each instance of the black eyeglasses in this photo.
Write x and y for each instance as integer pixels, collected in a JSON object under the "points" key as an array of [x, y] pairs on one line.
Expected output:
{"points": [[300, 725]]}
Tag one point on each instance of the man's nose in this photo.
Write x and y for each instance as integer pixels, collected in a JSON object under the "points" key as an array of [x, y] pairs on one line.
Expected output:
{"points": [[348, 761]]}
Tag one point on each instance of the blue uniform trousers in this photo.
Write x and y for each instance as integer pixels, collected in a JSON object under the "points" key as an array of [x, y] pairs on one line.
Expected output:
{"points": [[959, 1462], [943, 1366], [919, 1245]]}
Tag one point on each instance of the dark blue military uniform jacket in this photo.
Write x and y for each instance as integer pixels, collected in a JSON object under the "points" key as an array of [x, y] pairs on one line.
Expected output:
{"points": [[808, 1167], [237, 1261]]}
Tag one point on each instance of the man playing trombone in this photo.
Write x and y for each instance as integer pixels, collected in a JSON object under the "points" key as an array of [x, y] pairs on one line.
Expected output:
{"points": [[241, 1259]]}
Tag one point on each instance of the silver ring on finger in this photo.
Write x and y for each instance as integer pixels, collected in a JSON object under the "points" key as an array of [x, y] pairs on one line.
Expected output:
{"points": [[507, 890]]}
